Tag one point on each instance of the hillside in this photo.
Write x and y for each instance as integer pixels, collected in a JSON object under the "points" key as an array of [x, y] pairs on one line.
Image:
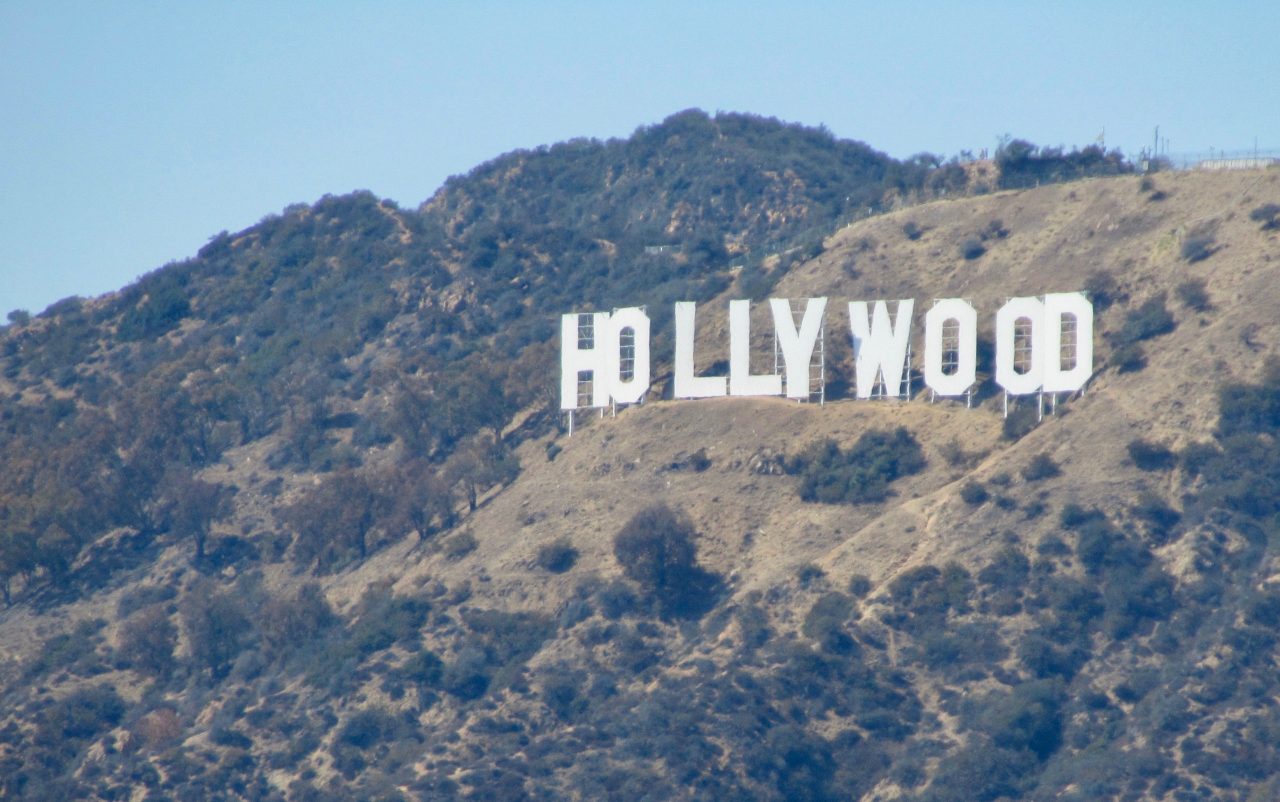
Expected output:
{"points": [[296, 519]]}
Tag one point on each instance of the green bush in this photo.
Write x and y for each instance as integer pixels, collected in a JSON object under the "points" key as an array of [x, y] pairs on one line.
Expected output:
{"points": [[81, 714], [1129, 358], [1019, 422], [424, 668], [1268, 214], [1030, 717], [368, 727], [972, 248], [826, 620], [1041, 466], [859, 585], [1074, 516], [1151, 456], [656, 550], [1101, 288], [557, 556], [862, 474], [218, 628], [459, 545], [147, 641], [1194, 294], [384, 620], [1198, 247], [973, 493], [288, 623], [1151, 319], [1159, 517], [1251, 408]]}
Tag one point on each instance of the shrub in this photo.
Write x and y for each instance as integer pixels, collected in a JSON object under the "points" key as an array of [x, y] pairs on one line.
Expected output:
{"points": [[859, 585], [809, 573], [825, 622], [699, 461], [424, 668], [369, 726], [616, 599], [1268, 214], [656, 550], [218, 627], [1101, 288], [1009, 571], [973, 493], [158, 728], [1195, 457], [861, 475], [1251, 408], [561, 693], [1019, 422], [1129, 358], [1160, 517], [1151, 456], [83, 713], [1028, 718], [995, 229], [953, 452], [147, 642], [972, 248], [467, 676], [1041, 466], [912, 230], [289, 623], [385, 619], [1198, 247], [136, 598], [1074, 516], [1149, 320], [459, 545], [1193, 294], [557, 556]]}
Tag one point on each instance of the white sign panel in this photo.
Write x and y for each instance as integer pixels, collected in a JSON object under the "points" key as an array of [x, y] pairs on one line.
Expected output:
{"points": [[1042, 345]]}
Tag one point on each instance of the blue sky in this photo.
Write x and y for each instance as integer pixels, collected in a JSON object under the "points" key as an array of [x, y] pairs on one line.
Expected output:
{"points": [[130, 133]]}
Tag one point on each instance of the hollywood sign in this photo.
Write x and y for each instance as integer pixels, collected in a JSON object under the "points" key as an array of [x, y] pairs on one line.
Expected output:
{"points": [[1042, 345]]}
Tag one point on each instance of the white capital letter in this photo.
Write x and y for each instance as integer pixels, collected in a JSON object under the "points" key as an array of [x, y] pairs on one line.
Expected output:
{"points": [[1057, 306], [966, 366], [688, 385], [1007, 376], [630, 390], [575, 359], [879, 346], [741, 382], [797, 346]]}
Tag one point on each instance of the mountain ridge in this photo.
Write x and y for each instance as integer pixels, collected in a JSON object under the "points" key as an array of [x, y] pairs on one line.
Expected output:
{"points": [[1033, 614]]}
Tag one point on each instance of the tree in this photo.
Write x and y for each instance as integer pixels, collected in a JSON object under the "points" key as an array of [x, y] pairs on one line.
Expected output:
{"points": [[481, 463], [217, 624], [190, 506], [147, 641], [333, 519], [656, 550], [17, 556], [55, 550], [287, 622], [419, 498]]}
